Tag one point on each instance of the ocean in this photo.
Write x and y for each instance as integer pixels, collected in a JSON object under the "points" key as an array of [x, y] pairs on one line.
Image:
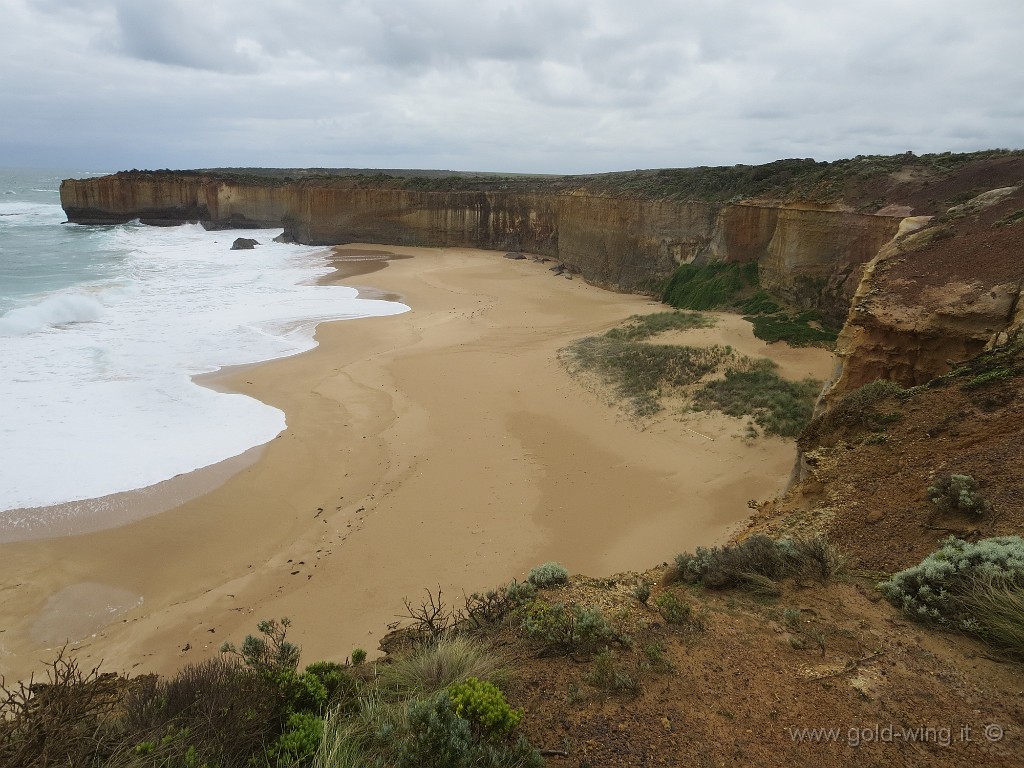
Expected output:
{"points": [[102, 329]]}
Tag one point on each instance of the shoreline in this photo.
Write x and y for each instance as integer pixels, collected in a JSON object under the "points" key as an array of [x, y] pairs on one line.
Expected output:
{"points": [[441, 447]]}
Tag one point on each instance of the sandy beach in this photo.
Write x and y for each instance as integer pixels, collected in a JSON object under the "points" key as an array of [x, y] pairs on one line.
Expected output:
{"points": [[444, 447]]}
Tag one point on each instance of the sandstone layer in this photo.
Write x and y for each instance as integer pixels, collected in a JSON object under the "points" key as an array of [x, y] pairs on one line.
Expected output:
{"points": [[919, 258], [809, 256]]}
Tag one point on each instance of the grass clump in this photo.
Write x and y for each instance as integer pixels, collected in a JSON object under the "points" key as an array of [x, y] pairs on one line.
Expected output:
{"points": [[609, 676], [976, 588], [643, 327], [641, 372], [997, 606], [1011, 218], [778, 406], [438, 664], [745, 564], [548, 575]]}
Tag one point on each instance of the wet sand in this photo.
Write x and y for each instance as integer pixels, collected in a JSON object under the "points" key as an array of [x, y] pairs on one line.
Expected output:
{"points": [[442, 447]]}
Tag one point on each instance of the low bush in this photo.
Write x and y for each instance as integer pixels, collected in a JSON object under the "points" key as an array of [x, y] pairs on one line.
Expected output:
{"points": [[483, 704], [439, 738], [298, 742], [548, 575], [191, 712], [938, 590], [733, 565], [567, 630], [65, 720], [672, 609], [493, 605], [865, 408], [958, 493]]}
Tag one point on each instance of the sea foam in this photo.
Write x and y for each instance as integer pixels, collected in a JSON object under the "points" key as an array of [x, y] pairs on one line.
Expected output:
{"points": [[97, 379]]}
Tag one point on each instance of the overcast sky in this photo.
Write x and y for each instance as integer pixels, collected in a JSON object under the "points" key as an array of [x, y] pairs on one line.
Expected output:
{"points": [[553, 86]]}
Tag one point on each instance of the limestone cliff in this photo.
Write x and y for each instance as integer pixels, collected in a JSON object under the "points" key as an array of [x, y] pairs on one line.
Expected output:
{"points": [[927, 297], [620, 241]]}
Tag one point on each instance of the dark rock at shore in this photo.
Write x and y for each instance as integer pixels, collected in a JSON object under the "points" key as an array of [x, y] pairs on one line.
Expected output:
{"points": [[514, 255], [244, 244], [284, 237]]}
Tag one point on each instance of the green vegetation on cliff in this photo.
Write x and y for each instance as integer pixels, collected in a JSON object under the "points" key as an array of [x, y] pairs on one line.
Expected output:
{"points": [[791, 180], [735, 286]]}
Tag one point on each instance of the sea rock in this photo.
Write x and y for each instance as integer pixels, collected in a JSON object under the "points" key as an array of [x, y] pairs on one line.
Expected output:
{"points": [[244, 244], [515, 255]]}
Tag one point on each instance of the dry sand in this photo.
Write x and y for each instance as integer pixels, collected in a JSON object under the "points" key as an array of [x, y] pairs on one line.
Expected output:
{"points": [[442, 447]]}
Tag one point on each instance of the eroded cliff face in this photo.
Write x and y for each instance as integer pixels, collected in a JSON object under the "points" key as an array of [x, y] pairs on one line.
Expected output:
{"points": [[811, 257], [939, 293]]}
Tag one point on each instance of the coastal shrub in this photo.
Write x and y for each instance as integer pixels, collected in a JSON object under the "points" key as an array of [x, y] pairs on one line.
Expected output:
{"points": [[190, 713], [438, 738], [567, 630], [642, 592], [483, 704], [778, 406], [548, 575], [958, 493], [62, 721], [996, 374], [337, 680], [438, 664], [270, 653], [672, 609], [301, 738], [733, 565], [520, 592], [938, 590], [489, 607], [358, 656], [432, 618]]}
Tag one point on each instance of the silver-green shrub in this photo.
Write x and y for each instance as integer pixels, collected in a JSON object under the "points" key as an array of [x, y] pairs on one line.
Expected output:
{"points": [[548, 575], [958, 493], [573, 629], [936, 588]]}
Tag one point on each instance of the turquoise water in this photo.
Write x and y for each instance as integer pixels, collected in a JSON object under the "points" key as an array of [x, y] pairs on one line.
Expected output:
{"points": [[102, 329]]}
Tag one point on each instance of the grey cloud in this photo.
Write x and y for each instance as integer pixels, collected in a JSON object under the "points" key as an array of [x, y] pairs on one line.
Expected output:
{"points": [[561, 86]]}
